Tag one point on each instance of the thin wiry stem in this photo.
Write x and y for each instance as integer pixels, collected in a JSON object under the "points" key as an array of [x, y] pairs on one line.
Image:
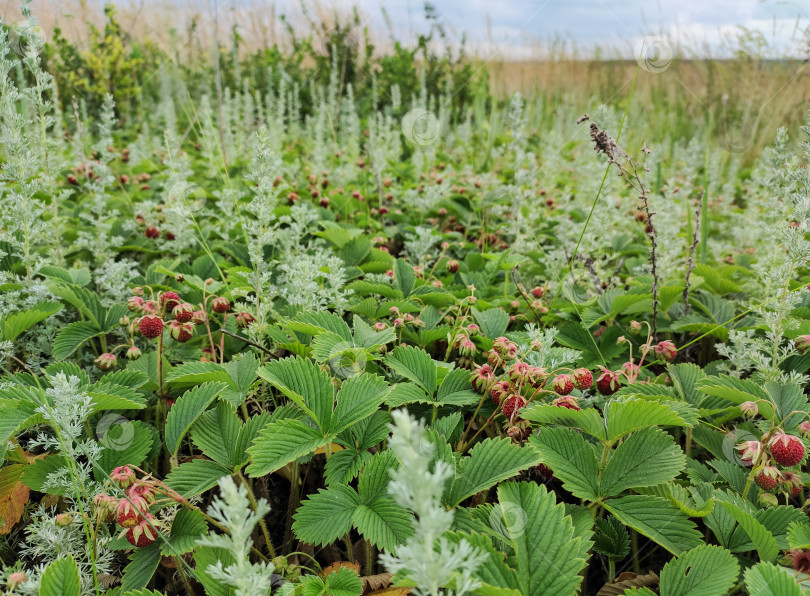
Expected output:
{"points": [[692, 251], [630, 171]]}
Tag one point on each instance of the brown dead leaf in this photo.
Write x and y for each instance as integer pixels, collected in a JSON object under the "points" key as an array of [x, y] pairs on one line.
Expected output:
{"points": [[333, 448], [376, 582], [337, 565], [13, 496], [628, 580], [389, 592], [107, 580], [49, 501]]}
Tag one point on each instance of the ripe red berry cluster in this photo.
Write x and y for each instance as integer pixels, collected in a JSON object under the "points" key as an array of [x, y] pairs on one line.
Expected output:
{"points": [[781, 450], [512, 382], [131, 512]]}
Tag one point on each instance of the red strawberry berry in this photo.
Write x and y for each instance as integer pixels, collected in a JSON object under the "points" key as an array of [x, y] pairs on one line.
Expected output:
{"points": [[244, 319], [563, 384], [538, 291], [152, 232], [499, 390], [607, 383], [583, 379], [129, 514], [544, 471], [183, 312], [220, 304], [452, 266], [566, 401], [142, 534], [792, 483], [768, 478], [666, 350], [169, 300], [800, 559], [150, 326], [787, 450], [181, 332], [512, 404]]}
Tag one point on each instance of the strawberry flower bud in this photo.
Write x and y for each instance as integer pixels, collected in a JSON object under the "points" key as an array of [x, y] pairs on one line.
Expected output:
{"points": [[149, 307], [106, 361], [802, 343], [135, 304], [466, 347], [749, 452], [63, 520], [105, 507], [482, 377], [665, 350], [15, 579], [123, 476]]}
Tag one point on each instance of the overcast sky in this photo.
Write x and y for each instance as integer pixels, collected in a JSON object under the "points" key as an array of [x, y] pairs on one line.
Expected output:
{"points": [[522, 23]]}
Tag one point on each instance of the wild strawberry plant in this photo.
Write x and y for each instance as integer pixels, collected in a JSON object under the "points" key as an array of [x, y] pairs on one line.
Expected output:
{"points": [[289, 344]]}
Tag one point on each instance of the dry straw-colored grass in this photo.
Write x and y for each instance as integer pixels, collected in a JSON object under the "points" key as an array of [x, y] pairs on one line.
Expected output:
{"points": [[765, 93]]}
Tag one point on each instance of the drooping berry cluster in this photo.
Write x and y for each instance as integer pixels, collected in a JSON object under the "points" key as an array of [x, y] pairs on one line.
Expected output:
{"points": [[770, 455], [132, 511], [167, 310]]}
